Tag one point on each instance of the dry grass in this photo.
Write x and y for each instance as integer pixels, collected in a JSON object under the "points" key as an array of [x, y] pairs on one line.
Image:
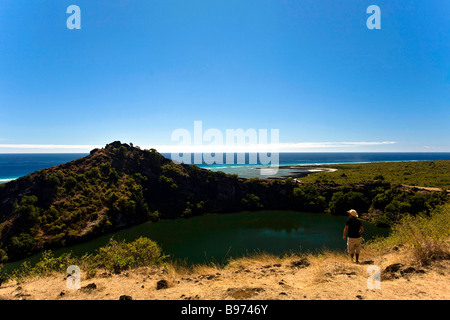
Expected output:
{"points": [[426, 236], [255, 260], [329, 275]]}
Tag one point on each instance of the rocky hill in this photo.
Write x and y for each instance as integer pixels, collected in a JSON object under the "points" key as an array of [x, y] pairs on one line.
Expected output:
{"points": [[121, 185], [115, 187]]}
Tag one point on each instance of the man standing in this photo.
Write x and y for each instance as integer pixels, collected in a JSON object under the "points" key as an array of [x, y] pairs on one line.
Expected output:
{"points": [[354, 228]]}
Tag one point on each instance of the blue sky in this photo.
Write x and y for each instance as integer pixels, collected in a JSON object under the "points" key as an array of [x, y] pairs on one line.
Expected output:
{"points": [[138, 70]]}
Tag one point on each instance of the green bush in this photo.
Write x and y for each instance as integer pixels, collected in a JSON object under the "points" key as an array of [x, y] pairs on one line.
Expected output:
{"points": [[342, 201], [251, 202], [21, 245], [396, 209], [53, 181], [114, 176], [93, 173], [120, 255], [70, 183], [381, 200], [48, 263], [121, 152], [153, 215], [308, 198], [24, 271], [167, 184], [3, 256], [3, 276], [27, 210], [105, 168]]}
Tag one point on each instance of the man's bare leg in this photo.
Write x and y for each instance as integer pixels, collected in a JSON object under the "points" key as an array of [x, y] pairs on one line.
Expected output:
{"points": [[357, 257]]}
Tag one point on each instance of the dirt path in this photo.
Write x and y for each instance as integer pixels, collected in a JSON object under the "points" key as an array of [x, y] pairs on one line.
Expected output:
{"points": [[424, 188]]}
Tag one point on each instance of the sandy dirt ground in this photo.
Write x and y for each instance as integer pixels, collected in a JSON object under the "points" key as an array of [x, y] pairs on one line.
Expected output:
{"points": [[324, 277]]}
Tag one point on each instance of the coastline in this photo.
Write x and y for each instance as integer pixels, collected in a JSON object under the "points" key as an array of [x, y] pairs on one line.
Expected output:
{"points": [[302, 164], [300, 171]]}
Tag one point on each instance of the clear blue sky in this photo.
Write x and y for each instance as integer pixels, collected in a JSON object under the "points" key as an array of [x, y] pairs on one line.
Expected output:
{"points": [[137, 70]]}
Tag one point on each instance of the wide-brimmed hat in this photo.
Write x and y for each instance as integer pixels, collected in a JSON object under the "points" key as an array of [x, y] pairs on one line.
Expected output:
{"points": [[353, 213]]}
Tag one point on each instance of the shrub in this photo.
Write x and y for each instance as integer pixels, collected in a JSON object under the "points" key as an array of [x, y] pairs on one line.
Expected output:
{"points": [[308, 198], [145, 252], [70, 183], [342, 201], [396, 209], [172, 171], [105, 168], [113, 175], [251, 202], [3, 256], [187, 212], [48, 263], [427, 236], [21, 245], [153, 216], [27, 209], [93, 173], [381, 200], [120, 255], [53, 181], [121, 152], [168, 184], [3, 275], [201, 206], [24, 271], [289, 181]]}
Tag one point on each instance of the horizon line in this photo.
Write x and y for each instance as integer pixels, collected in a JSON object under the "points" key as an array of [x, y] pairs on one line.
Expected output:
{"points": [[300, 147], [197, 148]]}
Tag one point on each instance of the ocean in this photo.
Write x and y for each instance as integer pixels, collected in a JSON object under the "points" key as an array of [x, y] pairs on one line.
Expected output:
{"points": [[13, 166]]}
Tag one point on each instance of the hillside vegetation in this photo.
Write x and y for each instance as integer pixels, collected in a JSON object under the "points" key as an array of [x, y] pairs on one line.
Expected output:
{"points": [[112, 188], [415, 173], [121, 185]]}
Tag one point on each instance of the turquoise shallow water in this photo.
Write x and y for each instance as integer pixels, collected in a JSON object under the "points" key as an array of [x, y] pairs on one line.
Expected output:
{"points": [[305, 159], [13, 166]]}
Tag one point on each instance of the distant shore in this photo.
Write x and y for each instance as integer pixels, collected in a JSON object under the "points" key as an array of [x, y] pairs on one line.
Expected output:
{"points": [[299, 171]]}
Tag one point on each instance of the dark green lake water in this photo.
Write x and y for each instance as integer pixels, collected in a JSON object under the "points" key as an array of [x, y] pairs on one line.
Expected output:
{"points": [[216, 237]]}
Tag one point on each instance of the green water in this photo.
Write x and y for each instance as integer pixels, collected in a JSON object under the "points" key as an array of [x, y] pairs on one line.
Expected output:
{"points": [[216, 237]]}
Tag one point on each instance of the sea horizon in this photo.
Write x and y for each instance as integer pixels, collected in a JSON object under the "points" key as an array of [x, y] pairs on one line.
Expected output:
{"points": [[16, 165]]}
